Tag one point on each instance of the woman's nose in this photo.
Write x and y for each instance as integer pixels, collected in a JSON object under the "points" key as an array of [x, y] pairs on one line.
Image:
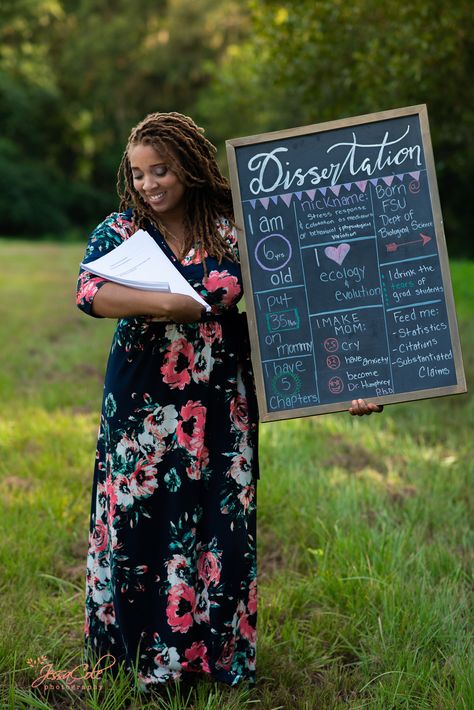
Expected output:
{"points": [[150, 182]]}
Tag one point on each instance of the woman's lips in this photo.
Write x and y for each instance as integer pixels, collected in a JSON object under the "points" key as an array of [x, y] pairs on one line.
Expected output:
{"points": [[156, 197]]}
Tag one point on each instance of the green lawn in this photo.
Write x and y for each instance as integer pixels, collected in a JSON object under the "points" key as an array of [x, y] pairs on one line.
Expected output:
{"points": [[365, 546]]}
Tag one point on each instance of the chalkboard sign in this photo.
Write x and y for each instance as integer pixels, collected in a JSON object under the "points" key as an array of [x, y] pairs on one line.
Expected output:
{"points": [[344, 261]]}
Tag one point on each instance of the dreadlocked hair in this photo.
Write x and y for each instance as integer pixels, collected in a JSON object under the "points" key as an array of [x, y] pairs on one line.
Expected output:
{"points": [[191, 157]]}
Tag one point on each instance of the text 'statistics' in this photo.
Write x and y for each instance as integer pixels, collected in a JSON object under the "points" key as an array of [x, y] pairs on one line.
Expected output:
{"points": [[344, 256]]}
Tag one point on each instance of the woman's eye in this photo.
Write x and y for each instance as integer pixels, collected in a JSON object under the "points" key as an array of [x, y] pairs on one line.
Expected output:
{"points": [[161, 171], [137, 177]]}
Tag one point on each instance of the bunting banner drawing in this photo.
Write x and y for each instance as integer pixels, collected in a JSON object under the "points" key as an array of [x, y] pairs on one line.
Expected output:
{"points": [[335, 189]]}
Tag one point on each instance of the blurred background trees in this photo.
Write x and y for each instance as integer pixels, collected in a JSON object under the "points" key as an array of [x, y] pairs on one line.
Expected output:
{"points": [[75, 75]]}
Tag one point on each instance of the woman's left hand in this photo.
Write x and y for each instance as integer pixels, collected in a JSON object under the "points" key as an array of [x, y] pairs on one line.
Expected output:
{"points": [[361, 407]]}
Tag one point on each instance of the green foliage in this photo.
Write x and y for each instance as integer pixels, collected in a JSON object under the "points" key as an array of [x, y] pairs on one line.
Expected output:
{"points": [[75, 75], [74, 78]]}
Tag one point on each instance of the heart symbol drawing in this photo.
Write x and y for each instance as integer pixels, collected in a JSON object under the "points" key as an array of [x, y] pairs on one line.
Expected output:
{"points": [[337, 254]]}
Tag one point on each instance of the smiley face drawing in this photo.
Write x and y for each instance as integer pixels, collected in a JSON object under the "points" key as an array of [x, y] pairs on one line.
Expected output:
{"points": [[331, 345], [336, 385], [333, 362]]}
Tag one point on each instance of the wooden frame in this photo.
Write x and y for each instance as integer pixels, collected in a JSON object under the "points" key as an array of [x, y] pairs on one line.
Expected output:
{"points": [[232, 147]]}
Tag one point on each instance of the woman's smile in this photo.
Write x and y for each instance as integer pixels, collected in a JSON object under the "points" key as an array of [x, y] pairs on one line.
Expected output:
{"points": [[155, 197]]}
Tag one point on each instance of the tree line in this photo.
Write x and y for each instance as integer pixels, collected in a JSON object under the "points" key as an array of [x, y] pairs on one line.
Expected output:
{"points": [[76, 75]]}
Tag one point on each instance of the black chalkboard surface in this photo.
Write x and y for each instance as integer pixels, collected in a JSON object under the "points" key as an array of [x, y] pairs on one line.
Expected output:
{"points": [[345, 268]]}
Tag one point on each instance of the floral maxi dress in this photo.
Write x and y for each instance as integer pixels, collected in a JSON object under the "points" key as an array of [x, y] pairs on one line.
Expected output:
{"points": [[171, 582]]}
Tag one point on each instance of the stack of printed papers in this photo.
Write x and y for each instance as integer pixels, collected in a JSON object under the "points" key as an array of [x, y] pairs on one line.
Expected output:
{"points": [[140, 263]]}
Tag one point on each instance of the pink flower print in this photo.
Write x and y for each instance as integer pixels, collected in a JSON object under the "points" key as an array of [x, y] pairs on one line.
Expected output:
{"points": [[210, 331], [114, 543], [161, 422], [106, 613], [246, 629], [143, 480], [127, 448], [168, 662], [194, 469], [198, 463], [197, 658], [123, 227], [190, 429], [122, 490], [246, 496], [179, 361], [240, 468], [194, 257], [180, 608], [252, 603], [239, 412], [203, 607], [88, 288], [203, 365], [229, 284], [99, 537], [227, 654], [153, 449], [209, 568], [99, 574], [173, 567], [111, 497]]}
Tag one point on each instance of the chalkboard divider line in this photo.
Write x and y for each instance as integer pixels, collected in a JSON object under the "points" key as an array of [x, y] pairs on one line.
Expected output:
{"points": [[414, 305], [338, 241], [346, 310], [287, 357], [281, 288], [307, 304], [414, 258], [381, 281]]}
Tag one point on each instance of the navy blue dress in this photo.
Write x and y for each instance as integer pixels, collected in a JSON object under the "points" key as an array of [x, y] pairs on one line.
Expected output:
{"points": [[171, 583]]}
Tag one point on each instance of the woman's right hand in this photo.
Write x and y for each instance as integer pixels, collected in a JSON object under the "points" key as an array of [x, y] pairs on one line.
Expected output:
{"points": [[180, 309]]}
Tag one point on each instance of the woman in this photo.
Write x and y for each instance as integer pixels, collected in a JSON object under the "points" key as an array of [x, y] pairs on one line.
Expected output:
{"points": [[171, 567]]}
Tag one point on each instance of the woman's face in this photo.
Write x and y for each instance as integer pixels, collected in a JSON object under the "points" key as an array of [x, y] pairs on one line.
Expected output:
{"points": [[154, 180]]}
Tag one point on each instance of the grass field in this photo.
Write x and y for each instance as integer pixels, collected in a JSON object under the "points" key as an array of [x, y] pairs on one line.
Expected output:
{"points": [[364, 544]]}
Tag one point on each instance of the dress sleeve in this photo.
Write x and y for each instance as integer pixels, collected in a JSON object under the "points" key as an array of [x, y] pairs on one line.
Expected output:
{"points": [[105, 237]]}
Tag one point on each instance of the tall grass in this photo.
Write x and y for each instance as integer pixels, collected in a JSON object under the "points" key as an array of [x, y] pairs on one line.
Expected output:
{"points": [[364, 539]]}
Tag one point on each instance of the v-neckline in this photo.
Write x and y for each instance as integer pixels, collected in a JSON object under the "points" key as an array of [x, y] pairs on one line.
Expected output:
{"points": [[157, 235]]}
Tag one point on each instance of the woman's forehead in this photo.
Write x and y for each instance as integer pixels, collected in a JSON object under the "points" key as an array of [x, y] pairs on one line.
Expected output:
{"points": [[148, 154]]}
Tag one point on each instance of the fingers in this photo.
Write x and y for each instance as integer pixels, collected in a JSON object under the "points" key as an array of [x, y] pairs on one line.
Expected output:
{"points": [[360, 407]]}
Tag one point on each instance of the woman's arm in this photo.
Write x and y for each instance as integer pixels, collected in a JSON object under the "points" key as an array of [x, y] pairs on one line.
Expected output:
{"points": [[117, 301], [101, 298]]}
